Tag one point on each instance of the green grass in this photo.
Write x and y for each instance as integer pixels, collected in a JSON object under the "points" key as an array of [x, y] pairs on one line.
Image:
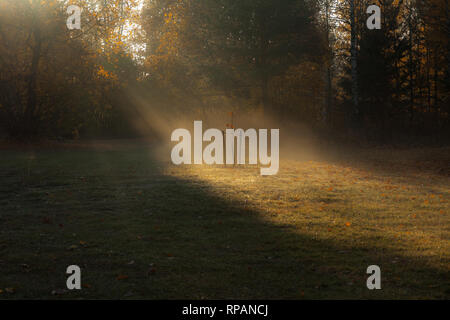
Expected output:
{"points": [[140, 228]]}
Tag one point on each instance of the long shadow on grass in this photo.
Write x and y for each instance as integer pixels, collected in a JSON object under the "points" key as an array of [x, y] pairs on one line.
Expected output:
{"points": [[141, 234], [222, 250]]}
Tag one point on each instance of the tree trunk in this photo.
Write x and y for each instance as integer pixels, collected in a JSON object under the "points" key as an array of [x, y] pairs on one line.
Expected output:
{"points": [[263, 68], [329, 88], [31, 105], [410, 68], [354, 61]]}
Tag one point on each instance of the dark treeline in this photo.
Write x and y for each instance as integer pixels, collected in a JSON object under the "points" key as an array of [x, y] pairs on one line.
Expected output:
{"points": [[313, 62]]}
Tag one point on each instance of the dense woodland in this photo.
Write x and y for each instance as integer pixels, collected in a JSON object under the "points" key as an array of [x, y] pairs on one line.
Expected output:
{"points": [[313, 62]]}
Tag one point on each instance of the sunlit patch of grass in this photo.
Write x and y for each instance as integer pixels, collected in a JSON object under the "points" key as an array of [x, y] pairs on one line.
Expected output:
{"points": [[352, 206]]}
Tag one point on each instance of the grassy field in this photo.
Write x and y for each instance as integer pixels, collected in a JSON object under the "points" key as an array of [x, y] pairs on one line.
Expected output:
{"points": [[141, 228]]}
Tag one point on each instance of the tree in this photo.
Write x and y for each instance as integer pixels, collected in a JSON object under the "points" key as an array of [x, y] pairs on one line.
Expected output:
{"points": [[260, 40]]}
